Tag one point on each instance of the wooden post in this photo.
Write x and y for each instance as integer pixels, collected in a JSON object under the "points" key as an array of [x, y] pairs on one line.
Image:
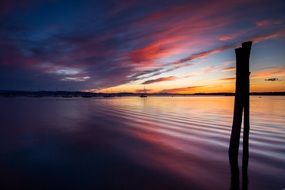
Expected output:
{"points": [[241, 107], [237, 117], [246, 126], [241, 100], [246, 53]]}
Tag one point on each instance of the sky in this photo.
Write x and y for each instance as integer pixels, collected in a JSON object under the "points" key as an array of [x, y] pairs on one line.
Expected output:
{"points": [[164, 46]]}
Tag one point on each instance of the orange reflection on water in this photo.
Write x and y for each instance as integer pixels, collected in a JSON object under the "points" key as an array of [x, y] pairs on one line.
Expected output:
{"points": [[188, 136]]}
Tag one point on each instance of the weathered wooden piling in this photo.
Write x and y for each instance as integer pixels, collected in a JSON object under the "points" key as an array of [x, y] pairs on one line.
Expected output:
{"points": [[246, 46], [246, 126], [241, 105]]}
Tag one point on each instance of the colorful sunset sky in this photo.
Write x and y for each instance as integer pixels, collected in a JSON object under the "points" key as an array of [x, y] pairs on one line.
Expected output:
{"points": [[164, 46]]}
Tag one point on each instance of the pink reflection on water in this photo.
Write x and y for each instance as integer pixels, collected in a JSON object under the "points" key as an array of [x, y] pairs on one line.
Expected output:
{"points": [[183, 137]]}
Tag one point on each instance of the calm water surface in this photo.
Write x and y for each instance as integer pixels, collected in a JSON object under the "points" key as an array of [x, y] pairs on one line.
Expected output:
{"points": [[135, 143]]}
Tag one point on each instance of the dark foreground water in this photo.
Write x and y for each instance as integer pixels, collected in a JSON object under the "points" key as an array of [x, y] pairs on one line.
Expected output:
{"points": [[135, 143]]}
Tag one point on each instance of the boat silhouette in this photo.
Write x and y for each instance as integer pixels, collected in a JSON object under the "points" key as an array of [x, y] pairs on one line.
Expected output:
{"points": [[144, 94]]}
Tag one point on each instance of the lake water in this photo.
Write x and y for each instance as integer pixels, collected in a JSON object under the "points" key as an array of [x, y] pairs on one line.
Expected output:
{"points": [[136, 143]]}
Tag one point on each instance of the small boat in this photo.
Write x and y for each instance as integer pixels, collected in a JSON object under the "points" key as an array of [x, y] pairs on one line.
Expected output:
{"points": [[144, 94]]}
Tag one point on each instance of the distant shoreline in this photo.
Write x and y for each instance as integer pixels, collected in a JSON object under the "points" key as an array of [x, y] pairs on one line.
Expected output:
{"points": [[70, 94]]}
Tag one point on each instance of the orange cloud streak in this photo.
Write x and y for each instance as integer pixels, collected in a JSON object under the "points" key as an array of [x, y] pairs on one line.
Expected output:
{"points": [[269, 72], [162, 79], [183, 90]]}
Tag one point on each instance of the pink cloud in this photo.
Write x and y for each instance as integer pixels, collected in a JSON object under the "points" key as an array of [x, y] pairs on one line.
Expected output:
{"points": [[225, 38], [158, 49], [178, 31], [273, 35], [267, 23], [263, 23]]}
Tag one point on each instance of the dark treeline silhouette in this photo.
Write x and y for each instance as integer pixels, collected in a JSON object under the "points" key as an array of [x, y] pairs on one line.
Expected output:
{"points": [[69, 94], [64, 94]]}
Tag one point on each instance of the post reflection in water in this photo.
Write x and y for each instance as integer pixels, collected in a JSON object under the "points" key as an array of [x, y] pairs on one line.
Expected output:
{"points": [[245, 157], [234, 173], [235, 178]]}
